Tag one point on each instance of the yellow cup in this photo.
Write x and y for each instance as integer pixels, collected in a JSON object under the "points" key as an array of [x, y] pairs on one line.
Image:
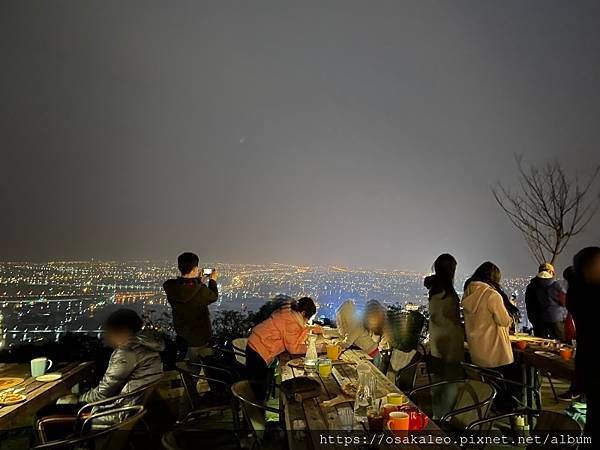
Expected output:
{"points": [[397, 398], [334, 351], [324, 367]]}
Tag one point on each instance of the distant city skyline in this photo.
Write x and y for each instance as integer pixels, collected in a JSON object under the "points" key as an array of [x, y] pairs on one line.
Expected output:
{"points": [[339, 133]]}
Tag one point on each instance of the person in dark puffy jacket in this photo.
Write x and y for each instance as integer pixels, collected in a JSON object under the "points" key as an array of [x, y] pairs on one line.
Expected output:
{"points": [[545, 303], [135, 361]]}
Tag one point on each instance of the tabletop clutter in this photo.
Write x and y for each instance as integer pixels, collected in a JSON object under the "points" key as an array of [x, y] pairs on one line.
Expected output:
{"points": [[360, 402]]}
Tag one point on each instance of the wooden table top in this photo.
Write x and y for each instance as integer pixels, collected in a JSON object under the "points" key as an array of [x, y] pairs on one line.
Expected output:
{"points": [[39, 394], [314, 415], [555, 365]]}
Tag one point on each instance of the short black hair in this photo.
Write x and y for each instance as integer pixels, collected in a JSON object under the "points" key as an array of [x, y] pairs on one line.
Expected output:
{"points": [[305, 305], [186, 262], [124, 319]]}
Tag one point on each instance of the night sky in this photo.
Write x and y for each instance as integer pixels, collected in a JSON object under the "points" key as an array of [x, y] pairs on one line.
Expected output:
{"points": [[359, 133]]}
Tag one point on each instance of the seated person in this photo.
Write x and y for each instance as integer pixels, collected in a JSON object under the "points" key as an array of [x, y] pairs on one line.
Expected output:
{"points": [[134, 364], [286, 329], [375, 322]]}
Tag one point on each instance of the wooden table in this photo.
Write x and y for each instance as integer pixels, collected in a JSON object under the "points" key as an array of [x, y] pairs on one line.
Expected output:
{"points": [[317, 418], [39, 394]]}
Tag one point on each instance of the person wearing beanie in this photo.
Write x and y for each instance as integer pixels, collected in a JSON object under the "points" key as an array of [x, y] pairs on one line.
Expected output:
{"points": [[545, 303]]}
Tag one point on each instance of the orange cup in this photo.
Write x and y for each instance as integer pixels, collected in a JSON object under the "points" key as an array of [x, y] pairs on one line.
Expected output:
{"points": [[566, 353], [398, 421], [521, 345]]}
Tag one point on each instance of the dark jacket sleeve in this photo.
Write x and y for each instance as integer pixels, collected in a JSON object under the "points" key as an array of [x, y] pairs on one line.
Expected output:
{"points": [[121, 365], [207, 295], [531, 304]]}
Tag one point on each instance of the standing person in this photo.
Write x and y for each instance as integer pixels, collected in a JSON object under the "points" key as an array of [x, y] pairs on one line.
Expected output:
{"points": [[189, 297], [286, 329], [446, 334], [487, 320], [583, 301], [545, 302]]}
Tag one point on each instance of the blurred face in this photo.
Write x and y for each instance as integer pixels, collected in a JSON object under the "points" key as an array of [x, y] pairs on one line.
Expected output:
{"points": [[116, 338], [375, 320]]}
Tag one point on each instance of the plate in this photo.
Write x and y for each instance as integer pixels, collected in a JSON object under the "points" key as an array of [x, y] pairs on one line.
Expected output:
{"points": [[546, 354], [49, 377], [10, 382], [11, 399]]}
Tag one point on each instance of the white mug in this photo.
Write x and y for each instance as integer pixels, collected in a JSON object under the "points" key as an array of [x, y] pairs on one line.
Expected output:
{"points": [[39, 366]]}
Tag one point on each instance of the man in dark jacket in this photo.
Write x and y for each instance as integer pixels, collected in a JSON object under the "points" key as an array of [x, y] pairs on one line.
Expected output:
{"points": [[544, 300], [189, 298]]}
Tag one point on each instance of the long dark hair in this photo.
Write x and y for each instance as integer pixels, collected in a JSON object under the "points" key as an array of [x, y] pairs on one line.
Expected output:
{"points": [[305, 306], [490, 274], [443, 279]]}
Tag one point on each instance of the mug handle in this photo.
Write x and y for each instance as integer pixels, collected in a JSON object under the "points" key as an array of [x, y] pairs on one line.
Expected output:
{"points": [[388, 425], [49, 362]]}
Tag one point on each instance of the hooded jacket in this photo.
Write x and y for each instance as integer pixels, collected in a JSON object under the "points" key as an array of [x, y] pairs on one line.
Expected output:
{"points": [[189, 299], [446, 334], [486, 326], [544, 299], [131, 366], [284, 330], [352, 330]]}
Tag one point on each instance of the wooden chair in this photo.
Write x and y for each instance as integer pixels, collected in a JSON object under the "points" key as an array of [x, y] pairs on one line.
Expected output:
{"points": [[467, 402], [114, 437]]}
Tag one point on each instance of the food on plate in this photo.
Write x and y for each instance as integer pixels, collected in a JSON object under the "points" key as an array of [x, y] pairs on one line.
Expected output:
{"points": [[9, 382]]}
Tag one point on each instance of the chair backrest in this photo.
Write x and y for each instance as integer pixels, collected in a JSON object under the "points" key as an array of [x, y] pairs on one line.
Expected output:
{"points": [[464, 401], [475, 399], [254, 410], [541, 424], [192, 373], [405, 377], [553, 421], [137, 397], [115, 437], [239, 348]]}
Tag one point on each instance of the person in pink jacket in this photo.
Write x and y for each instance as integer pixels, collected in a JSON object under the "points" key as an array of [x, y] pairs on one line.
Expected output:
{"points": [[286, 330]]}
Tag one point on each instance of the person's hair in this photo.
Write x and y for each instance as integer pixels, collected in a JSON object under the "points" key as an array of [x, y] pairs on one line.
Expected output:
{"points": [[186, 262], [305, 305], [490, 274], [444, 269], [584, 258], [122, 320], [374, 307]]}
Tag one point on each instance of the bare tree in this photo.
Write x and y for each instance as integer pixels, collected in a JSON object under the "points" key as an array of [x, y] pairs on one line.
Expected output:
{"points": [[549, 208]]}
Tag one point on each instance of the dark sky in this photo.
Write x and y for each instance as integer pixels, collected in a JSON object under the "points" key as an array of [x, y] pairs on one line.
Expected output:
{"points": [[358, 133]]}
